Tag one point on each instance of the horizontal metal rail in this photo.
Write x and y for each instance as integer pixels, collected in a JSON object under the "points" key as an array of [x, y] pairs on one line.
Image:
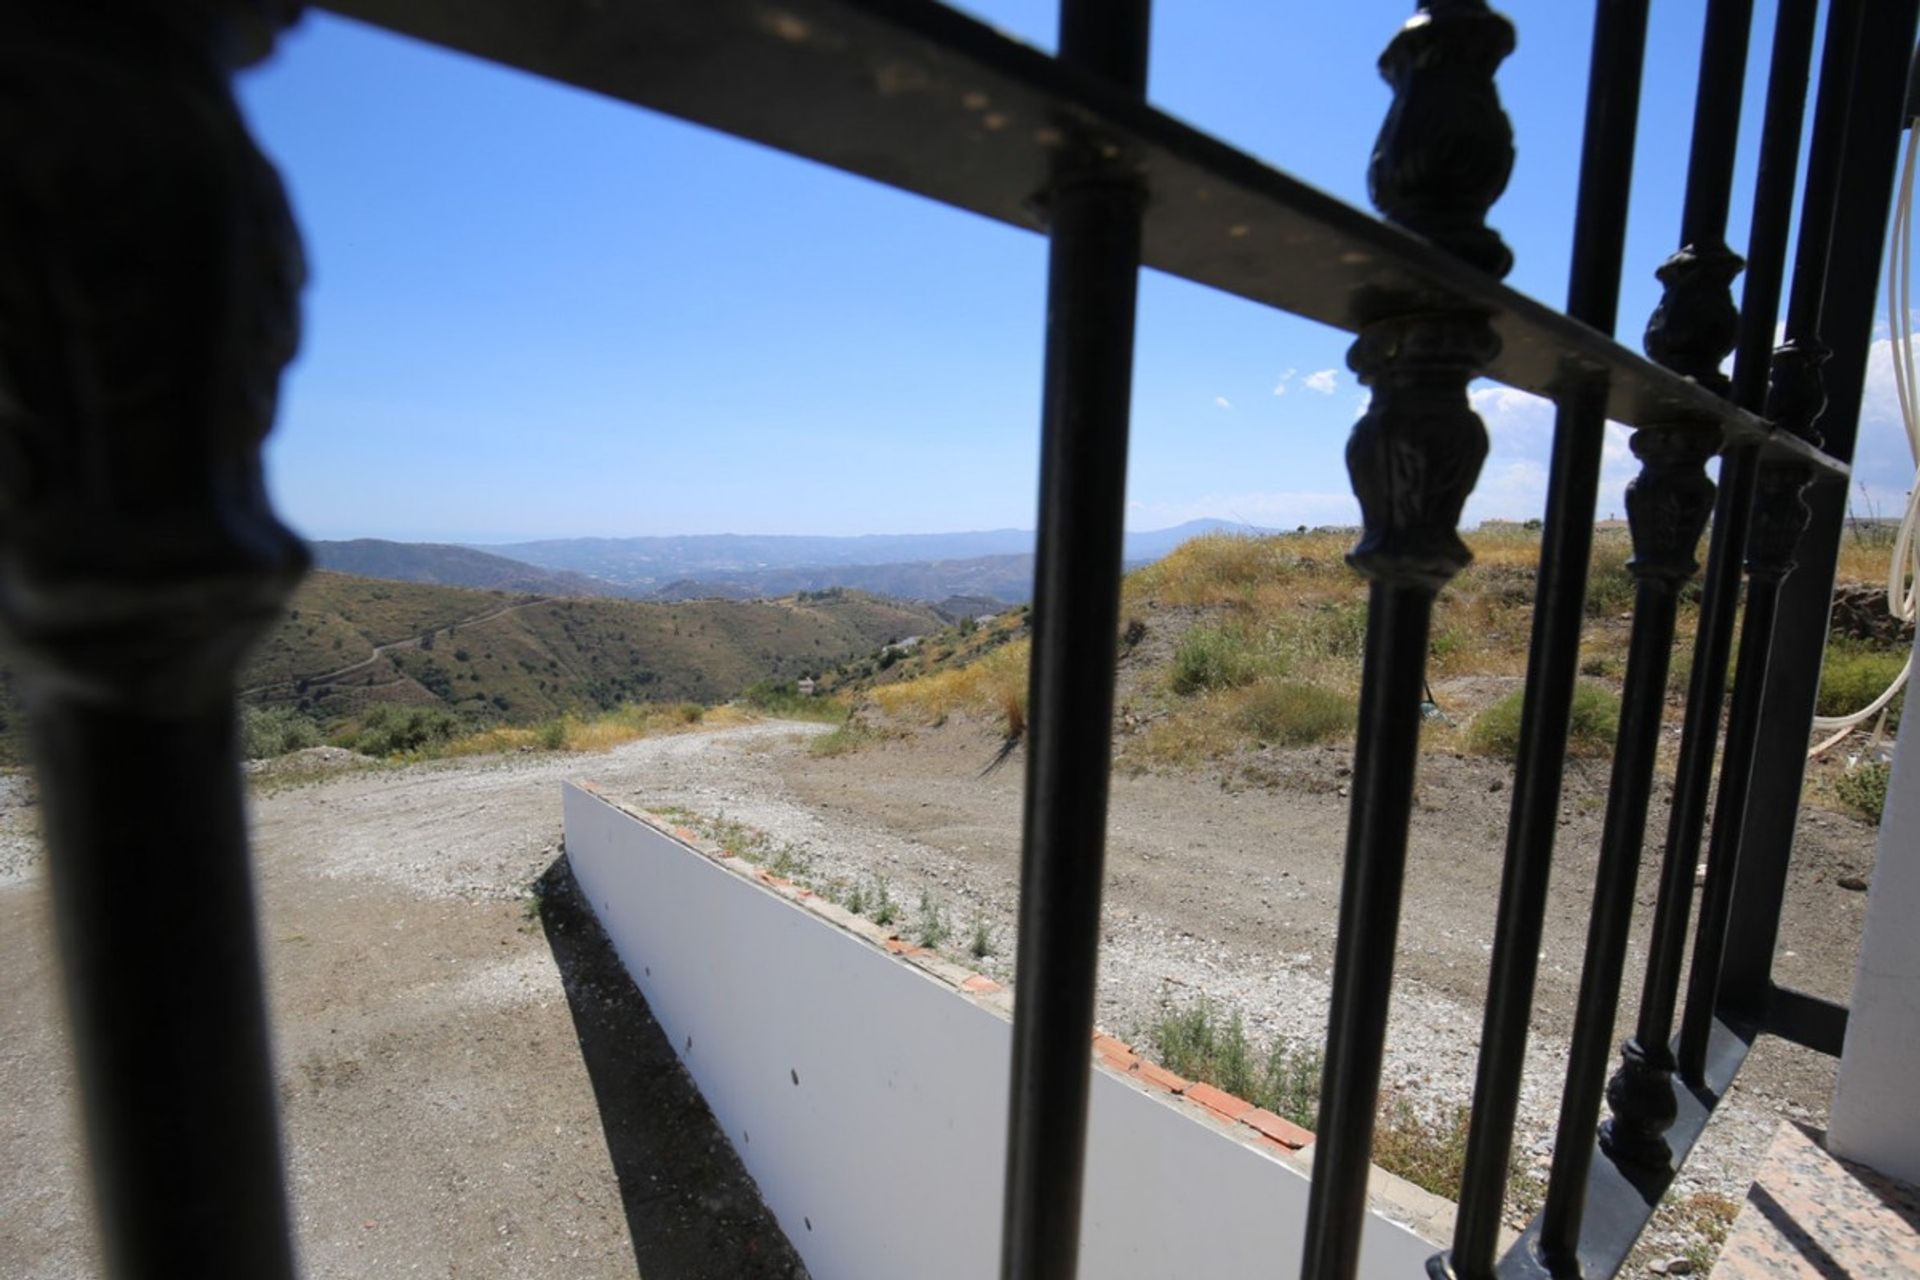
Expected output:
{"points": [[921, 98]]}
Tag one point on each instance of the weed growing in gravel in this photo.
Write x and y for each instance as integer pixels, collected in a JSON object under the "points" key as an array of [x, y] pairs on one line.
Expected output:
{"points": [[1428, 1152], [1708, 1217], [855, 899], [1864, 788], [885, 909], [932, 929], [1196, 1042], [791, 863], [1290, 1084], [980, 945]]}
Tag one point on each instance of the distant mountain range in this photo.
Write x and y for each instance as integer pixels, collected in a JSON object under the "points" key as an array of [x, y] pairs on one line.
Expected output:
{"points": [[995, 565], [445, 565]]}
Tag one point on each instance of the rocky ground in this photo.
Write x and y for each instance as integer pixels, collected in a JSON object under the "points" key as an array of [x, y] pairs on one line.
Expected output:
{"points": [[443, 1054]]}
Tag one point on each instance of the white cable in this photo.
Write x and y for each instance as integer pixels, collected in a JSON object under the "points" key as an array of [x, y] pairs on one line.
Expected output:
{"points": [[1903, 571]]}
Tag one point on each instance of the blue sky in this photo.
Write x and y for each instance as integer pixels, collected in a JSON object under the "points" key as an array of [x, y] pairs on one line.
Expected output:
{"points": [[538, 313]]}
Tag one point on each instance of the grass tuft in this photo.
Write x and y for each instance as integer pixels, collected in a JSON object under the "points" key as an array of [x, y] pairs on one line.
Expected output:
{"points": [[1853, 676], [1293, 714], [1594, 722]]}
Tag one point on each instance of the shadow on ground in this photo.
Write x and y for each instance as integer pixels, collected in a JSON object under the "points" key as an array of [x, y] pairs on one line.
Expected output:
{"points": [[692, 1211]]}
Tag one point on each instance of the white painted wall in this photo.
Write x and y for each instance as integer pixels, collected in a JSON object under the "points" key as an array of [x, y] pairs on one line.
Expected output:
{"points": [[885, 1159], [1876, 1112]]}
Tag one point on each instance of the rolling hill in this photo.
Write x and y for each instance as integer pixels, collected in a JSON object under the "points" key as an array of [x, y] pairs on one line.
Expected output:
{"points": [[347, 642]]}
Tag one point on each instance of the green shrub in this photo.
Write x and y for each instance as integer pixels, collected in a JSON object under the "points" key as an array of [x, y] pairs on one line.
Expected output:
{"points": [[1294, 714], [266, 732], [1853, 677], [1594, 721], [390, 730], [784, 700], [1212, 657], [1864, 787]]}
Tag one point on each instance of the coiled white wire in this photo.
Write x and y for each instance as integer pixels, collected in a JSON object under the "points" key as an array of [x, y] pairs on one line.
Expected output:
{"points": [[1903, 574]]}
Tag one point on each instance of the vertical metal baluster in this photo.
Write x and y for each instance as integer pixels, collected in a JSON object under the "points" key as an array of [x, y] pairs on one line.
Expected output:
{"points": [[1691, 331], [1796, 395], [1667, 508], [1094, 209], [1640, 1094], [1606, 170], [146, 310], [1867, 175], [1442, 159]]}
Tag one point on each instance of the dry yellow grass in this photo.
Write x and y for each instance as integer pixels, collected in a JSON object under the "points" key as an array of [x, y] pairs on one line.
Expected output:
{"points": [[1288, 612], [995, 685], [596, 733]]}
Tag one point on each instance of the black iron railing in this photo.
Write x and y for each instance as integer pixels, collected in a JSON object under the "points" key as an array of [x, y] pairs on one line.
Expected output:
{"points": [[138, 556]]}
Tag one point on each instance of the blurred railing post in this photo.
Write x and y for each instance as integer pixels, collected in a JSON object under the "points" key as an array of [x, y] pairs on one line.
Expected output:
{"points": [[147, 307], [1093, 210]]}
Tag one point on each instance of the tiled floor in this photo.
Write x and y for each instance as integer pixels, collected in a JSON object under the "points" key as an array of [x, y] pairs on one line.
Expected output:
{"points": [[1811, 1214]]}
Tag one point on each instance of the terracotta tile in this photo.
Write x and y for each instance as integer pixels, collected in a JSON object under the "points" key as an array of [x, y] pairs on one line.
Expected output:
{"points": [[1283, 1131], [1219, 1101], [979, 983], [1159, 1077]]}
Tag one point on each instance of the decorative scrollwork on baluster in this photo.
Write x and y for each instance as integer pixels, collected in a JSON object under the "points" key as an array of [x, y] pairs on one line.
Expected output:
{"points": [[1797, 387], [1669, 501], [147, 310], [1696, 324], [1780, 516], [1445, 150], [1442, 158], [1415, 454]]}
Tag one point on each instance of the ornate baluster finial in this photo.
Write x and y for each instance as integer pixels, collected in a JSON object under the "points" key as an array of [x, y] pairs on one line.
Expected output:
{"points": [[1696, 324], [1445, 150]]}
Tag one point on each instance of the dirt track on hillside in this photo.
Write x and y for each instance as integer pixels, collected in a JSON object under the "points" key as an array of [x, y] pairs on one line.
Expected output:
{"points": [[441, 1110]]}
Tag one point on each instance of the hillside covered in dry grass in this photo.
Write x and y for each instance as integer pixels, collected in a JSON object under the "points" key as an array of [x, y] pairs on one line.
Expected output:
{"points": [[1232, 645]]}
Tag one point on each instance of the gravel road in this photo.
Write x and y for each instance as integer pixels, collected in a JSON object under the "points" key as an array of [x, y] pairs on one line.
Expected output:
{"points": [[443, 1119]]}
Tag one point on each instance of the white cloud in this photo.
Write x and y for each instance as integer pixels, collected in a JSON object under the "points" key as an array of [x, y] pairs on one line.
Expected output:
{"points": [[1221, 402], [1325, 381], [1280, 387], [1513, 482], [1883, 460]]}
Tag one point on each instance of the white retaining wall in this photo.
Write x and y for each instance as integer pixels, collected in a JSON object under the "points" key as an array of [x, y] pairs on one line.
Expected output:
{"points": [[868, 1098], [1876, 1119]]}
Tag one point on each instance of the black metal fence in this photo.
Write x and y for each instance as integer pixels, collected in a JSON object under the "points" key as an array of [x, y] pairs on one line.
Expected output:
{"points": [[147, 306]]}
